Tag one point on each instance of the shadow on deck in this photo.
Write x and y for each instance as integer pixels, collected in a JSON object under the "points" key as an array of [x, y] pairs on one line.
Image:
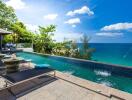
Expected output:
{"points": [[25, 88]]}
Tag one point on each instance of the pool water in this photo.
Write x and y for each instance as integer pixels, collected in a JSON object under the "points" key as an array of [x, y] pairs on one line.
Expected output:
{"points": [[99, 76]]}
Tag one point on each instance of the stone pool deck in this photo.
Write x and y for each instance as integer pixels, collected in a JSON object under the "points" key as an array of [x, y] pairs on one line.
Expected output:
{"points": [[63, 87], [95, 88]]}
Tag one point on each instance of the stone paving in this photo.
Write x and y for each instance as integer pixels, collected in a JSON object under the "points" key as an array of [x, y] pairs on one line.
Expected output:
{"points": [[62, 90]]}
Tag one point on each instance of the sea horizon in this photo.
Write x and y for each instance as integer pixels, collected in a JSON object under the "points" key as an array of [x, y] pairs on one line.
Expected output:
{"points": [[113, 53]]}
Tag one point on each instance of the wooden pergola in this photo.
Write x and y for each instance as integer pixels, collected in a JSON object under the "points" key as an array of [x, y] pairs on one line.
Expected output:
{"points": [[2, 33]]}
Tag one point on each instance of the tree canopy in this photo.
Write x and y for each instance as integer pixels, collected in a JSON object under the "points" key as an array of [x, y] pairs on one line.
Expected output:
{"points": [[7, 16]]}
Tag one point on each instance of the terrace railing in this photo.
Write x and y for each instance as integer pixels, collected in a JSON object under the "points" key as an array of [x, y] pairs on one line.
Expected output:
{"points": [[25, 46]]}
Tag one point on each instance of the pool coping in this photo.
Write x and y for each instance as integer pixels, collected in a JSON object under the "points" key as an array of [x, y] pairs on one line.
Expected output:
{"points": [[97, 62]]}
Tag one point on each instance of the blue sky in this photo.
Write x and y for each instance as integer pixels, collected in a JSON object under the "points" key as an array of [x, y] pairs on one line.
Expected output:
{"points": [[105, 21]]}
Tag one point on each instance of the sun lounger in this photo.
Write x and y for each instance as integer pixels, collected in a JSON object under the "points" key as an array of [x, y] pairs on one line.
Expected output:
{"points": [[19, 77]]}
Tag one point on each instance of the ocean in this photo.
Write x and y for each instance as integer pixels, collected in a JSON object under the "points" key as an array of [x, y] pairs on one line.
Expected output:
{"points": [[113, 53]]}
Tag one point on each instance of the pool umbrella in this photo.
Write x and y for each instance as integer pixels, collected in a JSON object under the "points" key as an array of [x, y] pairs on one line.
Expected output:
{"points": [[3, 32]]}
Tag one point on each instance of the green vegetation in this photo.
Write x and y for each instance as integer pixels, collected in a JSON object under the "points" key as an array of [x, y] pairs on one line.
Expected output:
{"points": [[43, 41], [7, 16]]}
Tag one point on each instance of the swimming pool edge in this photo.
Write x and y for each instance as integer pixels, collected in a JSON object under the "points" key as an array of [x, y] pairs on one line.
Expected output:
{"points": [[98, 62], [95, 87]]}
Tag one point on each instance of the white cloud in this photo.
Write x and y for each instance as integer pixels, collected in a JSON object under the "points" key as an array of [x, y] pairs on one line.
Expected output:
{"points": [[32, 28], [73, 25], [117, 27], [51, 16], [109, 34], [16, 4], [59, 37], [73, 21], [83, 10]]}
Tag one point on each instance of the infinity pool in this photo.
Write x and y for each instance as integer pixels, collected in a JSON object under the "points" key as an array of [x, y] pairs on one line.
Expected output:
{"points": [[96, 75]]}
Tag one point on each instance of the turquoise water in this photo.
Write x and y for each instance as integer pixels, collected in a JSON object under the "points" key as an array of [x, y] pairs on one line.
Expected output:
{"points": [[113, 53], [95, 75]]}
